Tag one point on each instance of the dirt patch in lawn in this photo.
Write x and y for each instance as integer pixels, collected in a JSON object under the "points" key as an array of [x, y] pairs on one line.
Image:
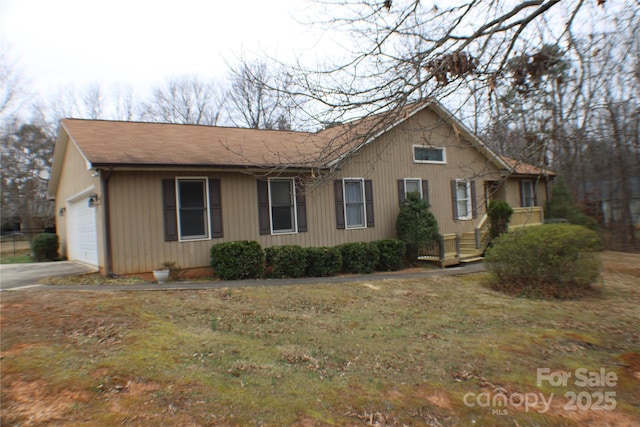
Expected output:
{"points": [[392, 352]]}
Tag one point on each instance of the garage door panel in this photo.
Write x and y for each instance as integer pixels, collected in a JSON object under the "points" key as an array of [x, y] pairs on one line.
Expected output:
{"points": [[82, 233]]}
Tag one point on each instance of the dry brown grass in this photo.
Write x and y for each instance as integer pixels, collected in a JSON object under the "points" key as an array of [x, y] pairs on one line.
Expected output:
{"points": [[383, 353]]}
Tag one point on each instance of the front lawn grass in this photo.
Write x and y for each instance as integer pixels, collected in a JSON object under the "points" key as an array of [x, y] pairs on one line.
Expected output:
{"points": [[383, 353], [15, 259]]}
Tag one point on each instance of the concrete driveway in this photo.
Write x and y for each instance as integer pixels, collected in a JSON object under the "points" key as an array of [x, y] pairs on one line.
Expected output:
{"points": [[15, 276]]}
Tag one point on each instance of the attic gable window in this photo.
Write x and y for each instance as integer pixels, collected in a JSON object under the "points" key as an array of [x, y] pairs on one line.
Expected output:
{"points": [[424, 154]]}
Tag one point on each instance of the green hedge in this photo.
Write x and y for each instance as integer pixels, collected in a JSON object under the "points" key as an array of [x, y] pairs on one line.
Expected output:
{"points": [[543, 260], [359, 258], [286, 261], [323, 261], [392, 254], [237, 260], [44, 247]]}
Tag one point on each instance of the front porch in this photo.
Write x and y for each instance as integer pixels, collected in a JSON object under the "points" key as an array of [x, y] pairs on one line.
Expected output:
{"points": [[453, 249]]}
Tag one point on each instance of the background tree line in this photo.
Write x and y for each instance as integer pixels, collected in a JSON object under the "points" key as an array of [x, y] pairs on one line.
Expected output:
{"points": [[552, 83]]}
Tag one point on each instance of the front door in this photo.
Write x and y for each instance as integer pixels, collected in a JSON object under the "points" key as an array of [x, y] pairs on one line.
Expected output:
{"points": [[493, 190]]}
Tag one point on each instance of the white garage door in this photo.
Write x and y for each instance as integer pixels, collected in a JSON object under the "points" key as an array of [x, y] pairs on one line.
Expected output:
{"points": [[82, 242]]}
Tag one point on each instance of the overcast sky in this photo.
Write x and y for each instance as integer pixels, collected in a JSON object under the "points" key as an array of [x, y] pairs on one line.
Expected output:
{"points": [[57, 43]]}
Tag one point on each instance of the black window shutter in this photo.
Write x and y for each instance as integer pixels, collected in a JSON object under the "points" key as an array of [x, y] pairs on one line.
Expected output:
{"points": [[215, 207], [263, 207], [474, 204], [301, 206], [368, 197], [337, 187], [522, 193], [534, 184], [425, 190], [401, 195], [169, 210], [454, 199]]}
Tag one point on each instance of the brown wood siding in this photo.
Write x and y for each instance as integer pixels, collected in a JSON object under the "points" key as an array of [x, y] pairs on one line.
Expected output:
{"points": [[137, 210], [75, 178]]}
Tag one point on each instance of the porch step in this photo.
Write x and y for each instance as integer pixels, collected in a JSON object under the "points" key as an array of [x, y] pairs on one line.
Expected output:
{"points": [[473, 259]]}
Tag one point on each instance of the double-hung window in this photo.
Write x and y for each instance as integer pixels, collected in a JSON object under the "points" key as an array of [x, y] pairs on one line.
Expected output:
{"points": [[282, 203], [413, 185], [354, 203], [282, 206], [355, 214], [527, 194], [193, 208], [426, 154], [463, 199]]}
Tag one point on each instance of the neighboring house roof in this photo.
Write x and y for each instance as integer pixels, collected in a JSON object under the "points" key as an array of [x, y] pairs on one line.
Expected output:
{"points": [[519, 167]]}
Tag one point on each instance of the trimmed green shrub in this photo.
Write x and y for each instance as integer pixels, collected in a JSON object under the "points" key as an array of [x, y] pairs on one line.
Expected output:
{"points": [[416, 225], [546, 260], [287, 260], [323, 261], [359, 258], [44, 247], [499, 213], [392, 253], [237, 260]]}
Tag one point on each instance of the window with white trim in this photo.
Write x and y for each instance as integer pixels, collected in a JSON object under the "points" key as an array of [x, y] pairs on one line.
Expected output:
{"points": [[413, 185], [463, 199], [528, 195], [282, 205], [354, 203], [193, 208], [425, 154]]}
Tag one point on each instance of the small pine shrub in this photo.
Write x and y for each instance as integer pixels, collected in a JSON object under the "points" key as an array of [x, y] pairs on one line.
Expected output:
{"points": [[416, 225], [44, 247], [551, 260], [237, 260], [392, 253], [287, 261], [359, 258], [499, 213], [323, 261], [562, 205]]}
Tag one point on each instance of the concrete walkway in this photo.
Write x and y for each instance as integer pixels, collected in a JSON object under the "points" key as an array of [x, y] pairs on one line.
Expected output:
{"points": [[452, 271]]}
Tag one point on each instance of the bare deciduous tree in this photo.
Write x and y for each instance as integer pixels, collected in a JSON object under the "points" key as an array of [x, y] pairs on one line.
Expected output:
{"points": [[260, 96], [186, 100]]}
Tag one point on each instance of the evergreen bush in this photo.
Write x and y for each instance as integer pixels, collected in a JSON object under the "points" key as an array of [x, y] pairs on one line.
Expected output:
{"points": [[499, 213], [287, 260], [323, 261], [44, 247], [546, 260], [416, 225], [359, 258], [392, 254], [562, 205], [237, 260]]}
